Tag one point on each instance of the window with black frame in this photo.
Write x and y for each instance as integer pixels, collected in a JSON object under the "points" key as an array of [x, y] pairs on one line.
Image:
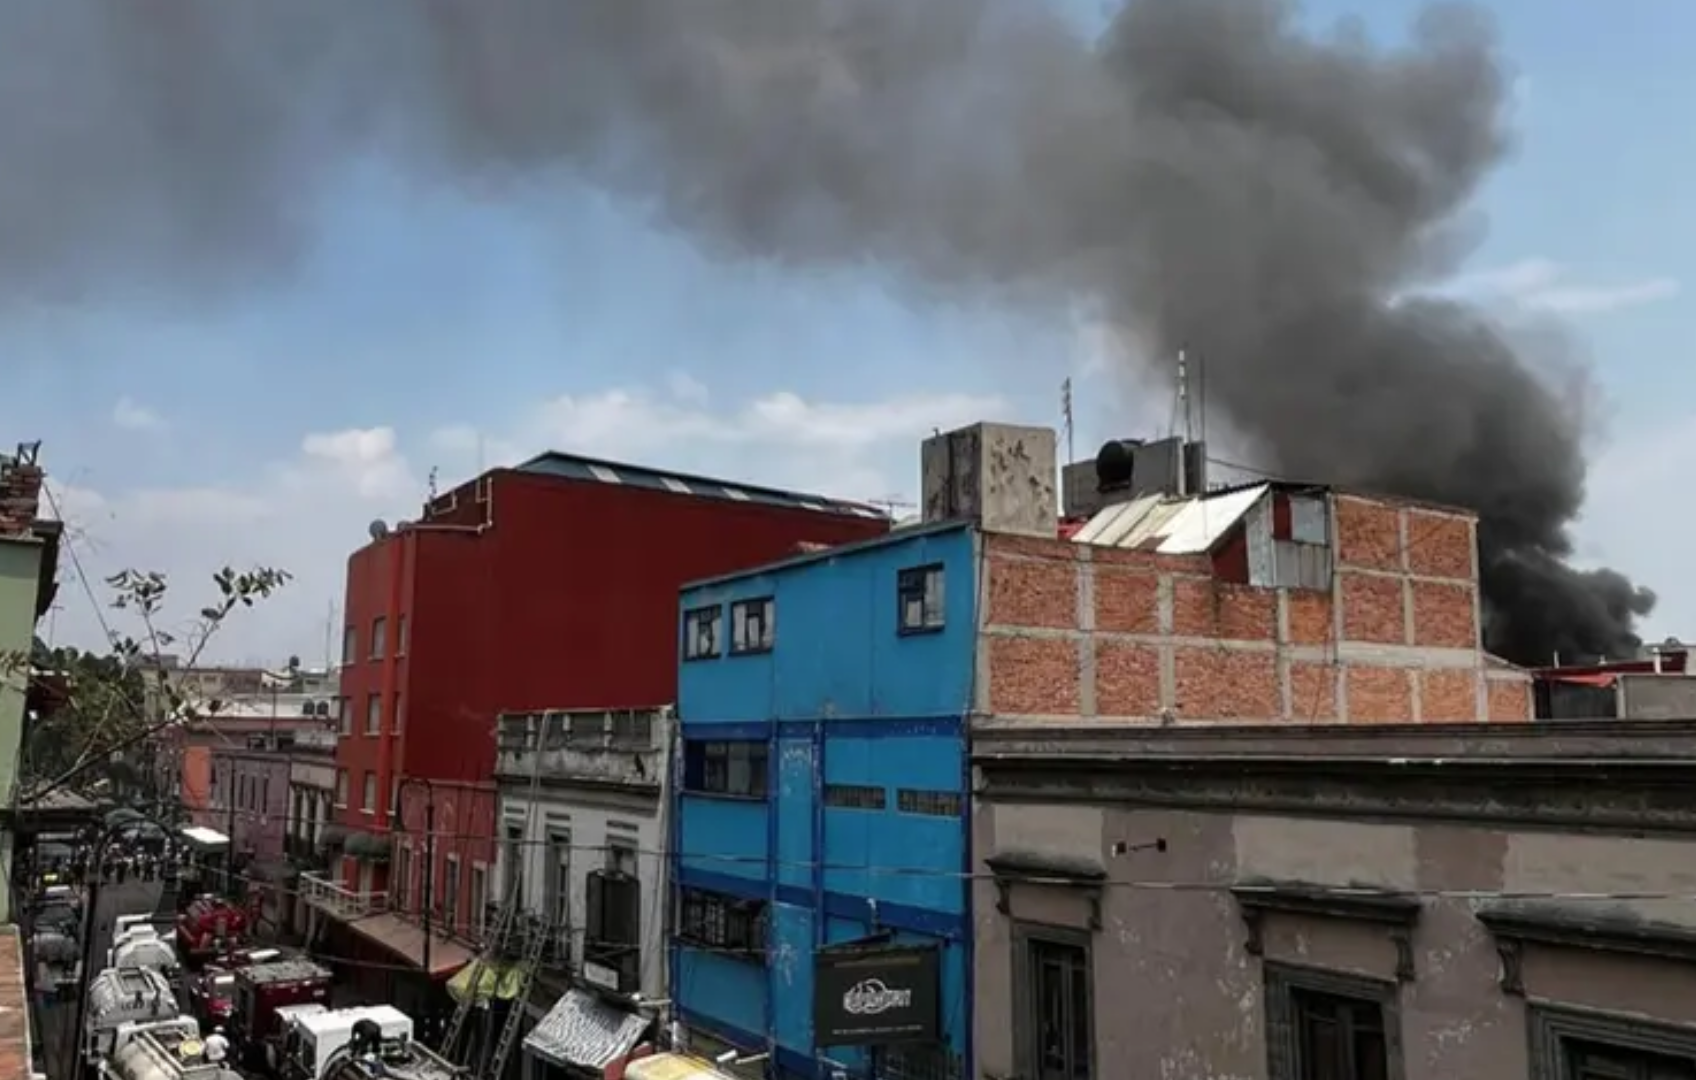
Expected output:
{"points": [[701, 633], [735, 769], [1059, 1012], [1326, 1025], [920, 599], [752, 625], [725, 924], [613, 931]]}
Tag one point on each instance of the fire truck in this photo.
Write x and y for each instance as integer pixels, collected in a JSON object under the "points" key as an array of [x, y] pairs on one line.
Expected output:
{"points": [[210, 926], [262, 999], [359, 1044]]}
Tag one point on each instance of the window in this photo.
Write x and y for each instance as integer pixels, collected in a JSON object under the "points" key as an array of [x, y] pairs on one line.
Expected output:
{"points": [[402, 633], [929, 803], [394, 795], [855, 797], [714, 921], [1579, 1044], [752, 625], [479, 896], [612, 931], [373, 714], [633, 728], [341, 788], [919, 595], [700, 633], [379, 638], [559, 878], [342, 718], [370, 793], [512, 863], [586, 728], [397, 721], [401, 876], [350, 644], [1321, 1025], [725, 768], [1056, 1017], [621, 856], [450, 893]]}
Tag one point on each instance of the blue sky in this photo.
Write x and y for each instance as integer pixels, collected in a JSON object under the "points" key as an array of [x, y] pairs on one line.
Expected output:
{"points": [[427, 329]]}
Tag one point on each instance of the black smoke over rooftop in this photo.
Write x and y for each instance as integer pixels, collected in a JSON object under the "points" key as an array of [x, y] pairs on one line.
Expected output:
{"points": [[1207, 174]]}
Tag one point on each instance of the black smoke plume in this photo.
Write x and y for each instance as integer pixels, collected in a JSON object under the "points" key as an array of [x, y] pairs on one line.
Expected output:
{"points": [[1207, 173]]}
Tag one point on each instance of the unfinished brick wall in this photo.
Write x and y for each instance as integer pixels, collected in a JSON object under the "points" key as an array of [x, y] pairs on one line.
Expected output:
{"points": [[20, 496], [1073, 631]]}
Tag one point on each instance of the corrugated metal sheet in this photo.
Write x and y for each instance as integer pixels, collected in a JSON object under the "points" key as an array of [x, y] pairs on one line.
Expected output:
{"points": [[1171, 526], [583, 1032], [574, 467]]}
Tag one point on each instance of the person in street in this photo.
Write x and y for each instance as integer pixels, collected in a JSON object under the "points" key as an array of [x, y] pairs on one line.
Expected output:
{"points": [[217, 1046]]}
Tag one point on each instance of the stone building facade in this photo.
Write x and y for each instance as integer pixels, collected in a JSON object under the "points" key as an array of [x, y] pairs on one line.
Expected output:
{"points": [[1501, 901]]}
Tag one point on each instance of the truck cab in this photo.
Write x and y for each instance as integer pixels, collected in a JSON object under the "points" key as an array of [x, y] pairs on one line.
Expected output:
{"points": [[209, 926]]}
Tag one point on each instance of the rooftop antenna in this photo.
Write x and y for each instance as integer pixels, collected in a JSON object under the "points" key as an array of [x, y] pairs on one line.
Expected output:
{"points": [[430, 485], [1184, 414], [1066, 416]]}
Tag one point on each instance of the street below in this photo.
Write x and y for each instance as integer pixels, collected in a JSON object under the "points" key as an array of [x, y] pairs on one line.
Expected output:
{"points": [[58, 1018]]}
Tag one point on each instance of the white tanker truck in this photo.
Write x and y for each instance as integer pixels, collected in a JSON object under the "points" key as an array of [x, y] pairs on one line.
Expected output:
{"points": [[165, 1050], [119, 999], [359, 1044]]}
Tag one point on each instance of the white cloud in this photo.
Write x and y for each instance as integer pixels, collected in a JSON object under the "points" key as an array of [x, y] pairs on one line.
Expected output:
{"points": [[1544, 286], [307, 513], [133, 416]]}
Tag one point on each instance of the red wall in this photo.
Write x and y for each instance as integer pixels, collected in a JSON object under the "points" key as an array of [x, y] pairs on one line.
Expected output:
{"points": [[548, 594], [464, 818]]}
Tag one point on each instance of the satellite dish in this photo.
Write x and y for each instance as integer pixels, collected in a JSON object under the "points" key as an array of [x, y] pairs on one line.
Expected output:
{"points": [[379, 529]]}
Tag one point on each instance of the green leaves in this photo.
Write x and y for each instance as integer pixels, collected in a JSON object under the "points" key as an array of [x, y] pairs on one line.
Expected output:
{"points": [[118, 700]]}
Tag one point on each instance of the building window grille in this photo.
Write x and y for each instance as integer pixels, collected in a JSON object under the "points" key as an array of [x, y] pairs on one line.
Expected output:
{"points": [[917, 1063], [855, 797], [701, 633], [1056, 1018], [920, 599], [723, 923], [929, 803], [1323, 1025], [752, 625]]}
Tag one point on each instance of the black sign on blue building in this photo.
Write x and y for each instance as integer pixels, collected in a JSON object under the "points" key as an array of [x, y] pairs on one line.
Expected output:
{"points": [[876, 995]]}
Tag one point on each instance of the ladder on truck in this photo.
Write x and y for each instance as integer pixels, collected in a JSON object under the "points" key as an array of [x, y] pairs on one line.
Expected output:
{"points": [[511, 938]]}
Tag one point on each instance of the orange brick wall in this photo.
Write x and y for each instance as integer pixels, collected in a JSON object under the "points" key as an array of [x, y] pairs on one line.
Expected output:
{"points": [[1073, 631]]}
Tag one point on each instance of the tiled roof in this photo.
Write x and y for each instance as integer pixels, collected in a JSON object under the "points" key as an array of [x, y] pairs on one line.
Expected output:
{"points": [[573, 467], [14, 1006]]}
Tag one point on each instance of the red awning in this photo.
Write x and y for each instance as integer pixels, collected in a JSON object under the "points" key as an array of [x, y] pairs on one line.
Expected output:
{"points": [[1591, 679]]}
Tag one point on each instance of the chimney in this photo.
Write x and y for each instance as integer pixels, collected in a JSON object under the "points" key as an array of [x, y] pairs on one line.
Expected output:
{"points": [[1001, 477], [20, 494], [1128, 469]]}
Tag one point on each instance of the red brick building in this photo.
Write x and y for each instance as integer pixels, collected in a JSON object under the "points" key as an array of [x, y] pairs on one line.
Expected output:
{"points": [[549, 584], [1106, 625]]}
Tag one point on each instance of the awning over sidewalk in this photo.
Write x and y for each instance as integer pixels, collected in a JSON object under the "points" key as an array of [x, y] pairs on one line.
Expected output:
{"points": [[582, 1031], [406, 939]]}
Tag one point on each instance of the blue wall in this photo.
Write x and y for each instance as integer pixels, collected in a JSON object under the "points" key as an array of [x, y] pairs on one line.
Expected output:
{"points": [[842, 698]]}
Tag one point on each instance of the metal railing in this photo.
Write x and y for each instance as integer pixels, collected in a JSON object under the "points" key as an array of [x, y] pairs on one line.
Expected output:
{"points": [[322, 892]]}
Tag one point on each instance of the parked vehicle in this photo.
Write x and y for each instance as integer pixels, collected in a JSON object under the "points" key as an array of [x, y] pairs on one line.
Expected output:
{"points": [[209, 927], [141, 946], [167, 1050], [357, 1044], [119, 999], [58, 963], [212, 996], [262, 993]]}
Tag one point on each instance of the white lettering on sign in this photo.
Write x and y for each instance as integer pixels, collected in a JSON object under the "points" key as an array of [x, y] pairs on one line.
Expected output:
{"points": [[873, 996]]}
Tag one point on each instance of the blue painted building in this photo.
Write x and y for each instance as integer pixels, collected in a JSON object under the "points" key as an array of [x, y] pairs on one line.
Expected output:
{"points": [[824, 792]]}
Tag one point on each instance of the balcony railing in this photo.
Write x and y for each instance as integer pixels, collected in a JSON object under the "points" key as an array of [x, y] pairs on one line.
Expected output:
{"points": [[323, 893]]}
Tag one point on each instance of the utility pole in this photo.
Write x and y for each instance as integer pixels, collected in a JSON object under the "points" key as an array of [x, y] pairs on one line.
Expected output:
{"points": [[1066, 415]]}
